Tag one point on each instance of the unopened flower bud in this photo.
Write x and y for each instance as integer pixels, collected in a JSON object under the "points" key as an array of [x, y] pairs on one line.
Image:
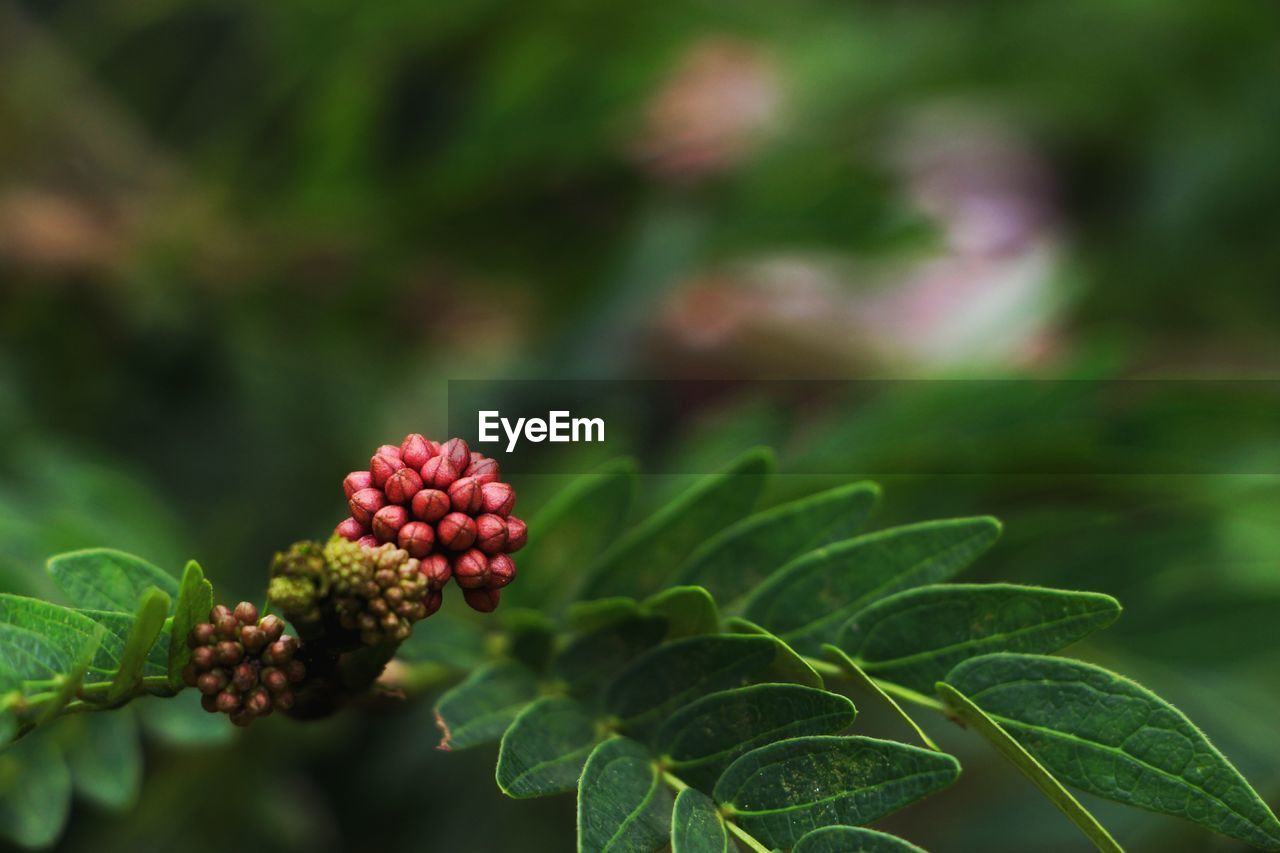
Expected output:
{"points": [[430, 505], [389, 451], [517, 534], [210, 683], [438, 473], [279, 652], [228, 701], [498, 498], [283, 701], [457, 452], [246, 613], [258, 702], [272, 626], [190, 675], [471, 569], [403, 485], [502, 571], [227, 627], [229, 653], [482, 469], [382, 467], [274, 679], [203, 657], [219, 611], [349, 529], [414, 450], [243, 678], [241, 717], [253, 638], [388, 521], [201, 635], [456, 531], [436, 570], [209, 703], [464, 495], [432, 603], [417, 538], [369, 541], [365, 503], [491, 533], [483, 600], [355, 481]]}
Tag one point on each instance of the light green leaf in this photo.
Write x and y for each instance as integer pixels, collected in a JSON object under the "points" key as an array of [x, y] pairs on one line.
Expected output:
{"points": [[147, 625], [852, 839], [623, 805], [696, 826], [545, 748], [106, 759], [788, 664], [645, 559], [808, 601], [1007, 746], [117, 627], [35, 798], [741, 556], [479, 709], [783, 791], [195, 600], [689, 611], [105, 579], [591, 660], [704, 737], [1105, 734], [571, 531], [915, 637], [41, 641], [674, 674]]}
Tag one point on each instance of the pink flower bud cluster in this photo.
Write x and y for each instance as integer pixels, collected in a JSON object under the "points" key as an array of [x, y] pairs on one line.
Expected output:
{"points": [[446, 506]]}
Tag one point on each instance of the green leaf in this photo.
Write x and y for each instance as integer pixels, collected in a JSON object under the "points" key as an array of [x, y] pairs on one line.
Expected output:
{"points": [[530, 637], [808, 601], [704, 737], [147, 625], [545, 748], [696, 826], [479, 709], [689, 611], [852, 839], [571, 531], [601, 612], [623, 805], [35, 797], [914, 638], [117, 629], [591, 660], [780, 792], [41, 641], [1007, 746], [788, 665], [1106, 735], [645, 558], [105, 579], [868, 683], [181, 721], [741, 556], [674, 674], [195, 600], [106, 759]]}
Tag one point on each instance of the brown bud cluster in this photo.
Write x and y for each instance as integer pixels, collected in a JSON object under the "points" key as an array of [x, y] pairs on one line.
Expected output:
{"points": [[243, 666], [445, 507], [380, 592]]}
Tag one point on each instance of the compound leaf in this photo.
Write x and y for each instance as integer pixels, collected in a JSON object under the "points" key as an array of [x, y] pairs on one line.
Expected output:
{"points": [[623, 805], [696, 826], [545, 748], [588, 663], [106, 579]]}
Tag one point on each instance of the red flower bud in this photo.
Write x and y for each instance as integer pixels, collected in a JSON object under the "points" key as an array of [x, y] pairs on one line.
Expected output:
{"points": [[244, 678], [258, 702], [414, 450], [457, 452], [482, 469], [369, 541], [382, 467], [228, 701], [464, 495], [403, 485], [388, 521], [417, 538], [456, 531], [436, 570], [517, 534], [204, 658], [218, 612], [349, 529], [274, 679], [253, 638], [355, 481], [498, 498], [387, 451], [502, 571], [471, 569], [432, 603], [430, 505], [491, 533], [272, 626], [365, 503], [209, 703], [227, 627], [228, 653], [246, 613], [201, 635], [438, 473], [484, 600], [211, 682]]}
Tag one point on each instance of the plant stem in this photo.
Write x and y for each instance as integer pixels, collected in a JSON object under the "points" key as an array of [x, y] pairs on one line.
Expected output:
{"points": [[745, 837], [856, 673]]}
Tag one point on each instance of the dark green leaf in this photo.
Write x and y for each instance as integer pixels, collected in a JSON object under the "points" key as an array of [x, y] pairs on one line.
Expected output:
{"points": [[105, 579], [195, 600], [590, 661], [860, 678], [1107, 735], [696, 826], [147, 624], [623, 805], [807, 602], [600, 612], [788, 665], [781, 792], [545, 748], [674, 674], [915, 637], [479, 709], [689, 611], [852, 839], [35, 791], [741, 556], [530, 637], [644, 559], [704, 737], [106, 759], [40, 641]]}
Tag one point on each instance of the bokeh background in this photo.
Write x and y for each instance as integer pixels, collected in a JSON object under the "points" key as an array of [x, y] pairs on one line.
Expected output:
{"points": [[241, 244]]}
